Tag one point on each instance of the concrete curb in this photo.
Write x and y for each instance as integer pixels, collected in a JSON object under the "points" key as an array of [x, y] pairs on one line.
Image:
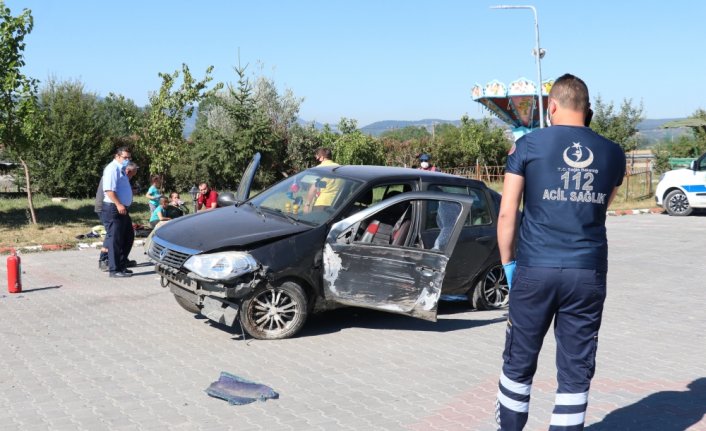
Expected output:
{"points": [[54, 247], [638, 211]]}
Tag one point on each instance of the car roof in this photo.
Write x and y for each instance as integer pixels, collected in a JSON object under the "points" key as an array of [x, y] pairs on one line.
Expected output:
{"points": [[369, 173]]}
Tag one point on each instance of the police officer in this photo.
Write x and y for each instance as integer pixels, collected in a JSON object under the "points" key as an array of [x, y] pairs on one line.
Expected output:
{"points": [[567, 176]]}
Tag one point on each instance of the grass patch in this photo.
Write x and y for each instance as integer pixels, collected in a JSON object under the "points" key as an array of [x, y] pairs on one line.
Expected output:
{"points": [[57, 223]]}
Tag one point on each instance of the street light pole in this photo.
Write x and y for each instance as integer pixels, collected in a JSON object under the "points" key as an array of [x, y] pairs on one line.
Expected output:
{"points": [[537, 52]]}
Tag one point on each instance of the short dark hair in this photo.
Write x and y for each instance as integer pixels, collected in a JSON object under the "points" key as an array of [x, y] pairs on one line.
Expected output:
{"points": [[121, 150], [570, 92], [323, 152]]}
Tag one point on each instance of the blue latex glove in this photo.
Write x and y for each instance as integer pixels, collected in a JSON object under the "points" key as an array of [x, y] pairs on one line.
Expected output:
{"points": [[509, 271]]}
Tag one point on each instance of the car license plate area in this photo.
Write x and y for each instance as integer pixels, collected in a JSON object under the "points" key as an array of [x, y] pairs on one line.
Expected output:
{"points": [[177, 278]]}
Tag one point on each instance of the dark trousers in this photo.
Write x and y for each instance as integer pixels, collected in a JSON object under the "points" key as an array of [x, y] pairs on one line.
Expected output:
{"points": [[119, 237], [574, 299]]}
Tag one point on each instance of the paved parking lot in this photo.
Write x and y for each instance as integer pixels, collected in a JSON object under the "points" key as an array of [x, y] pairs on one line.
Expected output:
{"points": [[81, 351]]}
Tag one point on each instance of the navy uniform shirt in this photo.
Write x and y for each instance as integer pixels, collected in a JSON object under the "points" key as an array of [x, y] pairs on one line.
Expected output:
{"points": [[570, 173]]}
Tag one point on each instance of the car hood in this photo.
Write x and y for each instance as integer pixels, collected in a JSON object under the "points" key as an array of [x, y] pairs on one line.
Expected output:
{"points": [[227, 227]]}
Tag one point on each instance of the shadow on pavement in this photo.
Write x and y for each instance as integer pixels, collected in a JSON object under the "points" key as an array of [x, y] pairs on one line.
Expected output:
{"points": [[348, 317], [661, 411], [139, 274], [335, 320], [40, 288]]}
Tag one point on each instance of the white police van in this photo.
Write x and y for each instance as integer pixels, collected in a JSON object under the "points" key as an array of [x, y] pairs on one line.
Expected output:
{"points": [[681, 190]]}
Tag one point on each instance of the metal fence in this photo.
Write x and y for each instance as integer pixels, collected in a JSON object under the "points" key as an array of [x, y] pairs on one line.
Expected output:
{"points": [[637, 183], [489, 174]]}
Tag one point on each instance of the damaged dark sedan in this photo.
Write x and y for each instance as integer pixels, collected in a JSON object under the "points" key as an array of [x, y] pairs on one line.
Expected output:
{"points": [[386, 238]]}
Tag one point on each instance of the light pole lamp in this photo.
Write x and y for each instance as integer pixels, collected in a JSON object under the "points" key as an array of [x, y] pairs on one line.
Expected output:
{"points": [[194, 192], [537, 52]]}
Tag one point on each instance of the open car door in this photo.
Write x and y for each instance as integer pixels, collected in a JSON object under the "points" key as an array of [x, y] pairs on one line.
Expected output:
{"points": [[246, 181], [388, 266]]}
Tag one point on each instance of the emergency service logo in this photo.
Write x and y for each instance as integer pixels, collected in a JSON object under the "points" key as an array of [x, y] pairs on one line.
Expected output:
{"points": [[580, 160]]}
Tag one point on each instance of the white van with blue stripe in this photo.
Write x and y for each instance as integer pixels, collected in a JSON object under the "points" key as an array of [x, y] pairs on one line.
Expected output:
{"points": [[681, 190]]}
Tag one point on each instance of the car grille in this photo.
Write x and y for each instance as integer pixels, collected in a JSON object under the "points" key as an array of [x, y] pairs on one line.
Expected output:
{"points": [[166, 255]]}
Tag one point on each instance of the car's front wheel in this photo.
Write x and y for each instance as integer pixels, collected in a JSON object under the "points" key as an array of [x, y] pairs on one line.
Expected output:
{"points": [[187, 305], [491, 291], [273, 313], [677, 204]]}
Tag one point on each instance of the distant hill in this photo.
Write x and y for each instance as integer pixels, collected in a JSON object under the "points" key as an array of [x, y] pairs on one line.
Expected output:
{"points": [[652, 131], [379, 127], [649, 128]]}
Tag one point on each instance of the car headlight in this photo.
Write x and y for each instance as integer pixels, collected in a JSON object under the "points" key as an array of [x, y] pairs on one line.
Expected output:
{"points": [[661, 177], [221, 266]]}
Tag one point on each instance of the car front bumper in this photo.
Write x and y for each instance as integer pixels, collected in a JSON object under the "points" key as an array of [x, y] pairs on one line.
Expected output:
{"points": [[218, 302]]}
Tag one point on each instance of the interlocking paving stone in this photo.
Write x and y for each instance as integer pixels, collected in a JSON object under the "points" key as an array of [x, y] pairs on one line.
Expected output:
{"points": [[82, 351]]}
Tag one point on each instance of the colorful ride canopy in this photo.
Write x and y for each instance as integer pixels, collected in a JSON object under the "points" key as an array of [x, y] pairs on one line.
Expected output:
{"points": [[516, 104]]}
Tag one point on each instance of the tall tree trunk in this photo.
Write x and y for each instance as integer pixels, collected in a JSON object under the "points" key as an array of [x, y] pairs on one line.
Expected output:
{"points": [[29, 191]]}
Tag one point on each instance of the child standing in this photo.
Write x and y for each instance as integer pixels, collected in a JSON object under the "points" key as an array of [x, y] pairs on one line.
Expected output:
{"points": [[153, 193]]}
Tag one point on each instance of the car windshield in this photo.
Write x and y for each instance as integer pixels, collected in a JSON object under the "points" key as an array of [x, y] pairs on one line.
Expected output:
{"points": [[310, 196]]}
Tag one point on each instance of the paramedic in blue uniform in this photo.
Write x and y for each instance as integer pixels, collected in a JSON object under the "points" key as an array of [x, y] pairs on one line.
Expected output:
{"points": [[566, 176]]}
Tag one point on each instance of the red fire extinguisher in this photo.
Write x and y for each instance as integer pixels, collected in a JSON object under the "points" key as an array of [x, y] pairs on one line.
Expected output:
{"points": [[14, 273]]}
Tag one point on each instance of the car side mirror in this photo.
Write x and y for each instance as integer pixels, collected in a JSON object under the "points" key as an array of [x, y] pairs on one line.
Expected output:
{"points": [[692, 165]]}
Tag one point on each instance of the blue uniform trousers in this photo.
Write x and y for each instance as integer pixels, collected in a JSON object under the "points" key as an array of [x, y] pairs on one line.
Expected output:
{"points": [[119, 236], [574, 299]]}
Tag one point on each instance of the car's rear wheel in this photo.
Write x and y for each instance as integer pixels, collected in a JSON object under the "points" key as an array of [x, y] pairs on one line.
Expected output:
{"points": [[677, 204], [491, 291], [273, 313], [187, 305]]}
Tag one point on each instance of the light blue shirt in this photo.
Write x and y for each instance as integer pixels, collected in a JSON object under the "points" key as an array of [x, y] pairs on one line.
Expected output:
{"points": [[116, 180]]}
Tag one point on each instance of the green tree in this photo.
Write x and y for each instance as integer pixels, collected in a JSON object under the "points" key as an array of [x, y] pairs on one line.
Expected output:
{"points": [[408, 133], [303, 142], [282, 111], [347, 125], [353, 147], [685, 145], [403, 146], [328, 137], [230, 129], [619, 127], [18, 100], [162, 136], [119, 119], [473, 142], [68, 158]]}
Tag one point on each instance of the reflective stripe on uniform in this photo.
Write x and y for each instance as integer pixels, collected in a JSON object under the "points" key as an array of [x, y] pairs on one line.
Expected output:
{"points": [[513, 386], [509, 403], [568, 419], [571, 399]]}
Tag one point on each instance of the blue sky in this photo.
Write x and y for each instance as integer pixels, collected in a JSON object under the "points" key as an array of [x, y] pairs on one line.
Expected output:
{"points": [[377, 60]]}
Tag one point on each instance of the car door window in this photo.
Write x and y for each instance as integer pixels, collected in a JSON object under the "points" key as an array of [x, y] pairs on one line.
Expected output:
{"points": [[376, 194], [390, 226], [385, 191], [480, 210]]}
